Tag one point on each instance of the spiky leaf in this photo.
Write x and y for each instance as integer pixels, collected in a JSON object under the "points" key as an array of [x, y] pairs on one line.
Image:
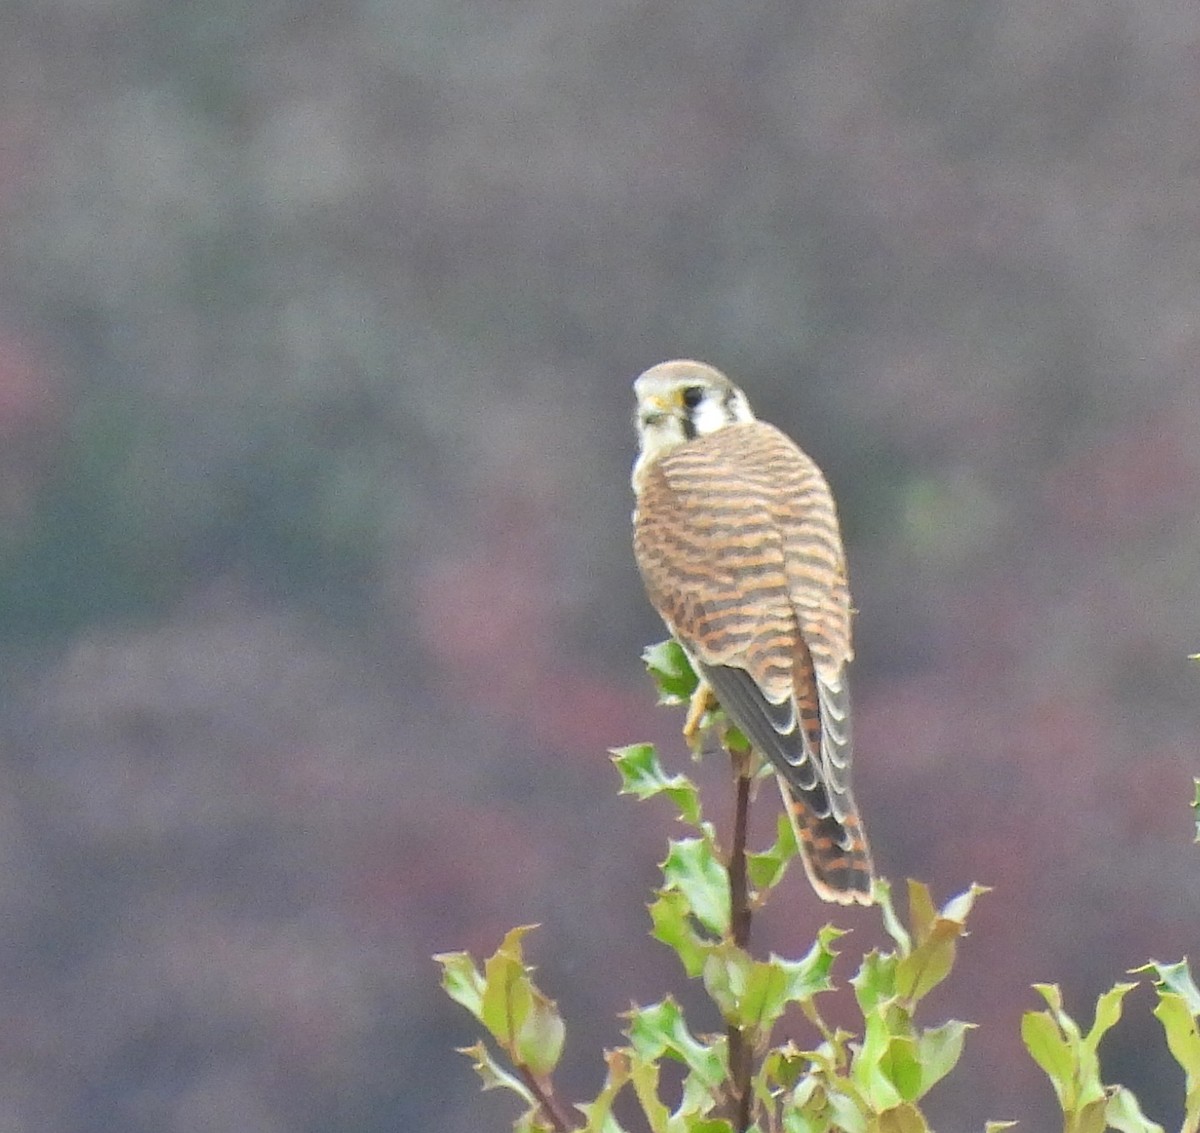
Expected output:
{"points": [[670, 914], [598, 1113], [462, 981], [938, 1051], [661, 1029], [493, 1075], [671, 670], [1051, 1052], [766, 869], [1176, 978], [693, 869], [642, 775], [1125, 1115]]}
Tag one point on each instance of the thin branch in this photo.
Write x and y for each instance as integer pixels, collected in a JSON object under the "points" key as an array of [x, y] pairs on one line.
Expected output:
{"points": [[543, 1090], [740, 1055], [739, 887]]}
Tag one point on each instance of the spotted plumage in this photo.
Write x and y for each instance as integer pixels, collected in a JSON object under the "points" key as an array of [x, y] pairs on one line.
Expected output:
{"points": [[736, 537]]}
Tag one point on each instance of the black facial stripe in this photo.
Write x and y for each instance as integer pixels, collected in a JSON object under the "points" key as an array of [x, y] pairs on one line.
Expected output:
{"points": [[728, 401], [689, 426]]}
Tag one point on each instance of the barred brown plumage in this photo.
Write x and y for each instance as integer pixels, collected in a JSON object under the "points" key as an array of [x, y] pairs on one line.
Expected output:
{"points": [[736, 536]]}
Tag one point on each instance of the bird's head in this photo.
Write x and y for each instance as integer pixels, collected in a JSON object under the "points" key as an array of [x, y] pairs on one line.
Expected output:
{"points": [[680, 401]]}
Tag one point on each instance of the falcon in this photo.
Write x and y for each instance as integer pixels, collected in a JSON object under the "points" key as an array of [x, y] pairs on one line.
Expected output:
{"points": [[737, 541]]}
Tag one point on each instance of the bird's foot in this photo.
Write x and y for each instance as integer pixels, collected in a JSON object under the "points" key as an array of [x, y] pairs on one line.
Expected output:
{"points": [[701, 703]]}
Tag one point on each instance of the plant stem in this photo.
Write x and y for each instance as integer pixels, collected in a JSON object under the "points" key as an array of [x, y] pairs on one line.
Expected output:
{"points": [[543, 1090], [739, 887], [740, 1053]]}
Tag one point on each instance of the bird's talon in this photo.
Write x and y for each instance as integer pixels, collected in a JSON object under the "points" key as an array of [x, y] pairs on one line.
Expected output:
{"points": [[698, 707]]}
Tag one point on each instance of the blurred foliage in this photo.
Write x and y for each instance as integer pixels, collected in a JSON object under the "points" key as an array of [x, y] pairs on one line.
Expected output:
{"points": [[119, 535]]}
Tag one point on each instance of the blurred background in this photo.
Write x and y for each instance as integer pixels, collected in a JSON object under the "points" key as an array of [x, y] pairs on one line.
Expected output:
{"points": [[317, 607]]}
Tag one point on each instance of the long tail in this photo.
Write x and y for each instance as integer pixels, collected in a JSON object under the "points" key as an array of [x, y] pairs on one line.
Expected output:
{"points": [[835, 853]]}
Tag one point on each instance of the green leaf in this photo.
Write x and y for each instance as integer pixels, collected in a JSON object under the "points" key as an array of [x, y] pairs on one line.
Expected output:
{"points": [[1123, 1113], [671, 670], [598, 1114], [998, 1126], [1070, 1059], [800, 1121], [734, 741], [891, 922], [1196, 790], [693, 869], [781, 1066], [539, 1040], [875, 981], [1177, 1009], [766, 869], [1091, 1118], [670, 914], [660, 1029], [1052, 994], [507, 992], [812, 972], [880, 1090], [920, 972], [901, 1119], [1051, 1052], [699, 1100], [726, 972], [938, 1050], [644, 1076], [902, 1066], [848, 1113], [764, 998], [518, 1016], [922, 913], [869, 1069], [494, 1076], [462, 981], [642, 775], [1108, 1012], [1179, 1024], [1175, 978], [936, 935], [753, 994]]}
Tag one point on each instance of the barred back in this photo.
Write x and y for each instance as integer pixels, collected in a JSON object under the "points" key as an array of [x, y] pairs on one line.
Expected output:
{"points": [[736, 536]]}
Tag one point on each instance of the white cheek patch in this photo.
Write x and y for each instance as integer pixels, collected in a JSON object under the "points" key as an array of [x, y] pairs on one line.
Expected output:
{"points": [[709, 416], [712, 414]]}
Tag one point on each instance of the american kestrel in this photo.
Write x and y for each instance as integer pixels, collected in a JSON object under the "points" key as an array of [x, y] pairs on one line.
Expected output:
{"points": [[736, 537]]}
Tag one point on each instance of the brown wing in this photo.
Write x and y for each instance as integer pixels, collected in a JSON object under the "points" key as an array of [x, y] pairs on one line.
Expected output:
{"points": [[736, 537]]}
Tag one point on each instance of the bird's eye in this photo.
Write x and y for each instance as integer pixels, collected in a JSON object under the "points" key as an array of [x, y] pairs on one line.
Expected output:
{"points": [[692, 396]]}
